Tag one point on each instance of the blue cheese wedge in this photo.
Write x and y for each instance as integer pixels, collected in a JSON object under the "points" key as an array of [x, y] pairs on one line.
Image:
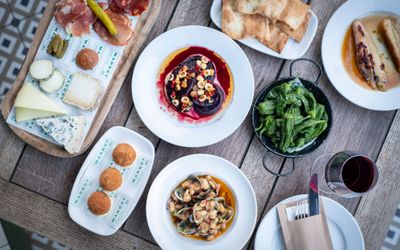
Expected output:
{"points": [[67, 131], [83, 92]]}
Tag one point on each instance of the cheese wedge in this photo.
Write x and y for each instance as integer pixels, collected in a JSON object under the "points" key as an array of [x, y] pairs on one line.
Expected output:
{"points": [[23, 114], [30, 103], [83, 92], [65, 130]]}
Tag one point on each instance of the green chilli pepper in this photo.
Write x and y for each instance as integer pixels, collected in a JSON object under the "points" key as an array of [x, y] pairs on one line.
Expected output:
{"points": [[291, 116]]}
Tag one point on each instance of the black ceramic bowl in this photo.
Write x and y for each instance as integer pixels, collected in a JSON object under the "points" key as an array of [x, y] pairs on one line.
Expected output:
{"points": [[267, 143]]}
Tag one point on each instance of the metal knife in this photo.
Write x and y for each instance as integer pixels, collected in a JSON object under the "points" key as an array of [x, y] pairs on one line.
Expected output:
{"points": [[313, 198]]}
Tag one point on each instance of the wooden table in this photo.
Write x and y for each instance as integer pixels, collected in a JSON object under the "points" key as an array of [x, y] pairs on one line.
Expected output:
{"points": [[34, 187]]}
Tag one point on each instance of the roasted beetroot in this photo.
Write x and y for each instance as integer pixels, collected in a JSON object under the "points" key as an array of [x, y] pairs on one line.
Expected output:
{"points": [[191, 85]]}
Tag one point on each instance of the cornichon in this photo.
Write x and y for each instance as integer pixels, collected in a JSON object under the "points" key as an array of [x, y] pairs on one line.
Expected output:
{"points": [[291, 117], [57, 52], [63, 50], [105, 19], [57, 46]]}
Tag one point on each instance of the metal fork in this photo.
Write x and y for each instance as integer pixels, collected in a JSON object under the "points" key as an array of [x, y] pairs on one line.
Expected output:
{"points": [[301, 210]]}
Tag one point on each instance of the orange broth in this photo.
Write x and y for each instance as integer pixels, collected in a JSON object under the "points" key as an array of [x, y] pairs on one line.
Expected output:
{"points": [[225, 192]]}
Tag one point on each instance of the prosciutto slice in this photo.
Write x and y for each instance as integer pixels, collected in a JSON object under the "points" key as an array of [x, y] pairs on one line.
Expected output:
{"points": [[121, 23], [131, 7], [75, 16]]}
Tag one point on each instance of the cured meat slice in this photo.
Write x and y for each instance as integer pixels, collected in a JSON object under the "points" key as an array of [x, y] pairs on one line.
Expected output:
{"points": [[114, 7], [121, 23], [131, 7], [75, 16], [137, 7], [81, 25], [122, 4], [68, 11]]}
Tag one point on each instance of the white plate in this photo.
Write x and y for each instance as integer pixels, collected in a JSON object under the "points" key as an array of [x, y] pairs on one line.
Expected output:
{"points": [[344, 229], [135, 178], [159, 120], [159, 219], [292, 50], [332, 51]]}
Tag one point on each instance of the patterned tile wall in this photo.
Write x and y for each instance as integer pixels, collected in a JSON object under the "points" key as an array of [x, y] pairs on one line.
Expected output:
{"points": [[19, 20], [392, 240]]}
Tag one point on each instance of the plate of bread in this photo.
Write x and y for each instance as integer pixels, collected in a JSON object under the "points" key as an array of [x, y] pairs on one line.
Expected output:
{"points": [[283, 29], [361, 53]]}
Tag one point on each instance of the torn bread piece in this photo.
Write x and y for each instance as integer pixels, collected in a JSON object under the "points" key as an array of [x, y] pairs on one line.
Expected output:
{"points": [[257, 26], [294, 14], [83, 92], [268, 8], [291, 12], [295, 34], [278, 39], [239, 26], [390, 28], [232, 21], [66, 130]]}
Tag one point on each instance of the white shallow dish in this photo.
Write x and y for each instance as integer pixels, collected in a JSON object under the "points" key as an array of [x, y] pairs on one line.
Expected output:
{"points": [[292, 50], [344, 230], [332, 51], [162, 122], [159, 219], [135, 178]]}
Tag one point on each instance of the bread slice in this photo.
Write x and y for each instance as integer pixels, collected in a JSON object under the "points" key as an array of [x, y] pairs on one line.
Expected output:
{"points": [[278, 39], [238, 26], [268, 8], [83, 92], [232, 21], [390, 28], [257, 26], [67, 131], [295, 14], [295, 34], [291, 12]]}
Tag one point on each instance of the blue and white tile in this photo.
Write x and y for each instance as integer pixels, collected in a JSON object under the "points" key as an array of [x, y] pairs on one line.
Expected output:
{"points": [[29, 27], [17, 23], [5, 13], [12, 55], [392, 239], [27, 8]]}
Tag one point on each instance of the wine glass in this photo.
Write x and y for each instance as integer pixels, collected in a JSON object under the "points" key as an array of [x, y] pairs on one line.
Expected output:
{"points": [[347, 173]]}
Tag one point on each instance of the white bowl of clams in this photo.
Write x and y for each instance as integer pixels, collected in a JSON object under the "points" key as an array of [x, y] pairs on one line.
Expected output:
{"points": [[201, 202]]}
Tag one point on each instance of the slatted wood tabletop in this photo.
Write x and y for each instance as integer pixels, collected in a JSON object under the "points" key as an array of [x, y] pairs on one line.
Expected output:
{"points": [[34, 187]]}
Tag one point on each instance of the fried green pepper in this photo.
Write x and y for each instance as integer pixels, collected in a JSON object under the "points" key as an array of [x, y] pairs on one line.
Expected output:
{"points": [[291, 116], [266, 107]]}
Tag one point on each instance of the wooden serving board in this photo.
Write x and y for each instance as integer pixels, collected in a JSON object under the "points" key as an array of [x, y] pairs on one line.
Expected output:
{"points": [[142, 29]]}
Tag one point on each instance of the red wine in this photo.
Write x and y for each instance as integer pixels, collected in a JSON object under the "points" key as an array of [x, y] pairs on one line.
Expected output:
{"points": [[358, 174]]}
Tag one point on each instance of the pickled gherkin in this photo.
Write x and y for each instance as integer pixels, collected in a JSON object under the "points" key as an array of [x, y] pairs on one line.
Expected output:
{"points": [[57, 46]]}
